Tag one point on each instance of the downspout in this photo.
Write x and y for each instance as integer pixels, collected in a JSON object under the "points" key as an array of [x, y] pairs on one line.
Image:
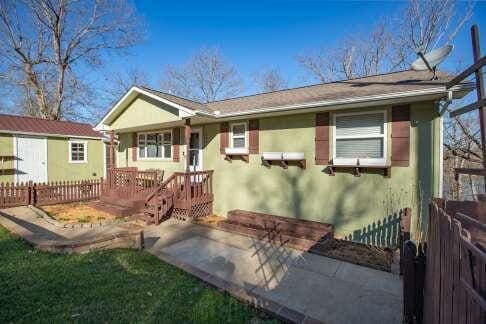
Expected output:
{"points": [[442, 106]]}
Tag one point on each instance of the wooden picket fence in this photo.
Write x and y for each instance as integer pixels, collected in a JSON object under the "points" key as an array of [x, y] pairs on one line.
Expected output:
{"points": [[23, 194], [445, 281]]}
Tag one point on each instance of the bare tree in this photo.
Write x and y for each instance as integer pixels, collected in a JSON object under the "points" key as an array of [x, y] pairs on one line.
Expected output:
{"points": [[426, 24], [356, 56], [391, 44], [269, 80], [118, 83], [48, 45], [205, 77]]}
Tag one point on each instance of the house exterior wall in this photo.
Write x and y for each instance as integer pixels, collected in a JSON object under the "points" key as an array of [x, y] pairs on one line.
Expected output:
{"points": [[60, 169], [358, 207], [124, 157], [6, 158]]}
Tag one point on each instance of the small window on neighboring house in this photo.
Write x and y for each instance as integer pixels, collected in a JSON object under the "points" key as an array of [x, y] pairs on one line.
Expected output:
{"points": [[360, 136], [238, 135], [155, 145], [77, 151]]}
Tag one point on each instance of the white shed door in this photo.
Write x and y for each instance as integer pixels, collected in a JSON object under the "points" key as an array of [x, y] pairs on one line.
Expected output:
{"points": [[31, 159]]}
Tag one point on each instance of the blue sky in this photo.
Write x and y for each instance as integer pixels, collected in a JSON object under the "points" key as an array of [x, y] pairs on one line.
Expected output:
{"points": [[262, 34]]}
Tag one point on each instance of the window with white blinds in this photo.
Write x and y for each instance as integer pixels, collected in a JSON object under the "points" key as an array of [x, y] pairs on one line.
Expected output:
{"points": [[360, 136]]}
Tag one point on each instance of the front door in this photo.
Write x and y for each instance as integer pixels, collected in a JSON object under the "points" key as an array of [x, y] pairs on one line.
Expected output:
{"points": [[195, 150], [31, 159]]}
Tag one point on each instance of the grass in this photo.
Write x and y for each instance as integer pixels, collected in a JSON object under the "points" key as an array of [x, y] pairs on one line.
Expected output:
{"points": [[122, 286]]}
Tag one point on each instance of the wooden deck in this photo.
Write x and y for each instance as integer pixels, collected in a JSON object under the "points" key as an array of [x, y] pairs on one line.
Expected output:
{"points": [[183, 195]]}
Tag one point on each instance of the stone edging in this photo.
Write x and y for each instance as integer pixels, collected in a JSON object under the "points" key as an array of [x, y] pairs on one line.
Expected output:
{"points": [[275, 309], [49, 219], [131, 240]]}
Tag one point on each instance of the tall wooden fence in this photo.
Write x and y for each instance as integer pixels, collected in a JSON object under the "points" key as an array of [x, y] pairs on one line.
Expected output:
{"points": [[447, 278], [22, 194]]}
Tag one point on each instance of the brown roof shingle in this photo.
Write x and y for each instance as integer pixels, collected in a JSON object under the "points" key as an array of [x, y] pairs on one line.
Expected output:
{"points": [[395, 82], [368, 86], [20, 124]]}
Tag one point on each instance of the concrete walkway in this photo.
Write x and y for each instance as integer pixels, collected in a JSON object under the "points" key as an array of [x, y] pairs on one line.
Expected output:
{"points": [[321, 288], [294, 285], [24, 222]]}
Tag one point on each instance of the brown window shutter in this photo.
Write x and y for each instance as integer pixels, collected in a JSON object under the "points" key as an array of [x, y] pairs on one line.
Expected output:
{"points": [[224, 137], [176, 140], [322, 138], [253, 128], [134, 147], [400, 135]]}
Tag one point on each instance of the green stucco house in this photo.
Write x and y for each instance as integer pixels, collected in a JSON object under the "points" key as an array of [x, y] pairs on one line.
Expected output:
{"points": [[38, 150], [350, 153]]}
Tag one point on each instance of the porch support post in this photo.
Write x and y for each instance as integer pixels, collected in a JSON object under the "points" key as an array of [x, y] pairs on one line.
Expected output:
{"points": [[187, 177], [112, 149], [111, 155], [187, 138]]}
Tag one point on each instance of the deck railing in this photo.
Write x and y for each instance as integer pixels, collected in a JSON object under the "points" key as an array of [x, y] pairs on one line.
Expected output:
{"points": [[131, 183]]}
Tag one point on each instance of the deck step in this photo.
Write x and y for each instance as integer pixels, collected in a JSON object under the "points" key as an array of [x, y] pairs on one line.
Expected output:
{"points": [[117, 210]]}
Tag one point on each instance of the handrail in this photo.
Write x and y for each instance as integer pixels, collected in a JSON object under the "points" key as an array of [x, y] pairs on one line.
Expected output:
{"points": [[160, 186]]}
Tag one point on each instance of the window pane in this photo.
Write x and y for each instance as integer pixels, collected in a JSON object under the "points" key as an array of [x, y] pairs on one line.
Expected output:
{"points": [[359, 148], [368, 124], [154, 147], [239, 129], [167, 138], [77, 151], [141, 140], [167, 150], [239, 142], [141, 151]]}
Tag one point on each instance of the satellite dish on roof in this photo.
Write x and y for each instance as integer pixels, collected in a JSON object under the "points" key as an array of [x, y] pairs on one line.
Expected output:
{"points": [[430, 60]]}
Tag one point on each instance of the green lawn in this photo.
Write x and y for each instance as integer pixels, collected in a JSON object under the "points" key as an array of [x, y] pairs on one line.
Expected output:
{"points": [[114, 286]]}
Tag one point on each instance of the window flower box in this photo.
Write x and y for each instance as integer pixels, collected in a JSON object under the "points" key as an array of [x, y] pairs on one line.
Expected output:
{"points": [[283, 158]]}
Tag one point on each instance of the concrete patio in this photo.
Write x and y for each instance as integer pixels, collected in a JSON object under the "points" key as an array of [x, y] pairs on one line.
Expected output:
{"points": [[314, 287], [291, 284]]}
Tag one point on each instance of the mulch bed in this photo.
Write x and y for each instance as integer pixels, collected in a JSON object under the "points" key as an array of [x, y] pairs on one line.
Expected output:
{"points": [[379, 258]]}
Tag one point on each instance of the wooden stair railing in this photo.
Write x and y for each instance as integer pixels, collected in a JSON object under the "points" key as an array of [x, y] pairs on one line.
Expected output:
{"points": [[159, 202], [181, 191]]}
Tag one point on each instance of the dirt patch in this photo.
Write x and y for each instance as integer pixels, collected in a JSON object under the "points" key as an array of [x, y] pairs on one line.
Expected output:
{"points": [[77, 213], [361, 254], [211, 220]]}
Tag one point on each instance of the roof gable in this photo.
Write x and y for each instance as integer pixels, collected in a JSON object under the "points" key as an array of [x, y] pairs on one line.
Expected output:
{"points": [[143, 111]]}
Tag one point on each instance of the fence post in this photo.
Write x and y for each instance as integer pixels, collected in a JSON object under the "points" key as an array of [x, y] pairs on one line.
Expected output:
{"points": [[405, 219], [409, 284], [30, 193]]}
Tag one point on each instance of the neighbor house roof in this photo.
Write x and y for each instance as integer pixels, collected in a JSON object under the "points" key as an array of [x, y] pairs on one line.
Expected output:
{"points": [[408, 83], [32, 125]]}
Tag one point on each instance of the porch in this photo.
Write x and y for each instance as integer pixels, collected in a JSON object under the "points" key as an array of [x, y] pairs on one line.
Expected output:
{"points": [[146, 195]]}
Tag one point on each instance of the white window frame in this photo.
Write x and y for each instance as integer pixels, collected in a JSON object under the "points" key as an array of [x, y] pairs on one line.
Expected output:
{"points": [[85, 143], [369, 161], [245, 136], [161, 133]]}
